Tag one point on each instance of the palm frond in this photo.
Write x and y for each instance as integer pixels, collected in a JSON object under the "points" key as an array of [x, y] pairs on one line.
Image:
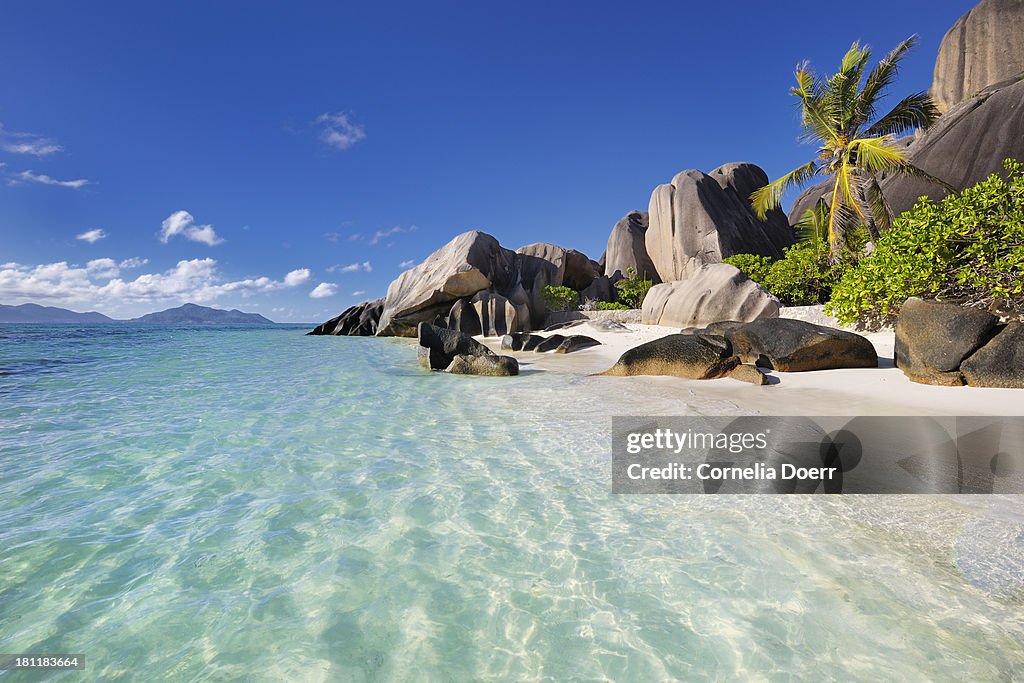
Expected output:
{"points": [[914, 111], [877, 155], [770, 196], [881, 77], [812, 228], [913, 171], [881, 213]]}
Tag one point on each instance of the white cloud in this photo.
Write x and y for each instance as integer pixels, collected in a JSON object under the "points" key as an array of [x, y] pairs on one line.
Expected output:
{"points": [[91, 236], [297, 277], [339, 131], [397, 230], [134, 262], [97, 283], [27, 143], [43, 179], [358, 292], [365, 266], [407, 264], [182, 223], [324, 290], [355, 237]]}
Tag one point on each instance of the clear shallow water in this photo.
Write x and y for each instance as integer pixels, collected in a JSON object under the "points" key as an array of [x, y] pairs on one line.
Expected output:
{"points": [[216, 504]]}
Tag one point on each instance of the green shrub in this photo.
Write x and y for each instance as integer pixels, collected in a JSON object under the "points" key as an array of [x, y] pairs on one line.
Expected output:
{"points": [[968, 249], [611, 306], [753, 266], [630, 292], [802, 277], [561, 298]]}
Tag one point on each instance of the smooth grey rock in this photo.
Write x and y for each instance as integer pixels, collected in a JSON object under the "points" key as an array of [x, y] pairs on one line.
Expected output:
{"points": [[357, 321], [598, 290], [713, 292], [549, 344], [933, 339], [516, 341], [498, 316], [576, 342], [627, 248], [707, 217], [1000, 362], [490, 366], [796, 346], [471, 262], [691, 356], [464, 318], [580, 271], [983, 47], [439, 346]]}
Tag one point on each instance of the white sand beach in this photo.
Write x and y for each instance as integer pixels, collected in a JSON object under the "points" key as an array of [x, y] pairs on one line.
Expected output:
{"points": [[884, 390]]}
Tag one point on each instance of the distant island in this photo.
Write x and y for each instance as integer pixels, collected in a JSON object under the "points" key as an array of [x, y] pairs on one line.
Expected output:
{"points": [[193, 314], [189, 314]]}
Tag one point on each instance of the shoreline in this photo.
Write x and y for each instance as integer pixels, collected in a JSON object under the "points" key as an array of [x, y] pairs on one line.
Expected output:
{"points": [[884, 390]]}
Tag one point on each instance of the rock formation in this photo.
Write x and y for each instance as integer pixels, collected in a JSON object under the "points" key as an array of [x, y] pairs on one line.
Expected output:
{"points": [[358, 321], [933, 339], [627, 249], [983, 47], [712, 292], [706, 217], [796, 346], [692, 356]]}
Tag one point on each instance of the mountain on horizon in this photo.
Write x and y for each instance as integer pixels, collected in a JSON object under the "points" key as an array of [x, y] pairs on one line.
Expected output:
{"points": [[195, 314], [34, 313]]}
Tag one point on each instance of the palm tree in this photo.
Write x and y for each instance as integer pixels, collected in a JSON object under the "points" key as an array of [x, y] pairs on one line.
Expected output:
{"points": [[837, 113]]}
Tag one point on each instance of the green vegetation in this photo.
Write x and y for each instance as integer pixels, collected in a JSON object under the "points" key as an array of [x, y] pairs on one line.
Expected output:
{"points": [[611, 306], [561, 298], [837, 113], [968, 249], [803, 277], [630, 292]]}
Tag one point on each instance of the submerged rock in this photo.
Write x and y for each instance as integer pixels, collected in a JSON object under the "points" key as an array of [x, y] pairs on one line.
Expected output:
{"points": [[693, 356], [492, 366], [439, 346]]}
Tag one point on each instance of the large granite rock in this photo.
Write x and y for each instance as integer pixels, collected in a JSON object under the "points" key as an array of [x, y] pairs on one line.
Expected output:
{"points": [[464, 318], [706, 217], [693, 356], [627, 248], [498, 316], [576, 342], [965, 146], [358, 321], [490, 366], [471, 262], [1000, 363], [985, 46], [796, 346], [933, 339], [439, 346], [580, 271], [712, 292]]}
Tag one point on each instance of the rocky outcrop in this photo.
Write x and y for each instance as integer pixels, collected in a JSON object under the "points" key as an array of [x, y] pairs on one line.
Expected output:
{"points": [[358, 321], [540, 265], [550, 343], [558, 343], [490, 366], [796, 346], [627, 249], [576, 342], [598, 290], [498, 316], [712, 292], [965, 146], [983, 47], [706, 217], [464, 318], [692, 356], [471, 262], [580, 271], [439, 346], [1000, 362], [933, 339], [949, 345], [516, 342]]}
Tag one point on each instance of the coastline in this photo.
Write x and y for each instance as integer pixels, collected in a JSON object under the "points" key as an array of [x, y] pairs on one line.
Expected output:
{"points": [[884, 390]]}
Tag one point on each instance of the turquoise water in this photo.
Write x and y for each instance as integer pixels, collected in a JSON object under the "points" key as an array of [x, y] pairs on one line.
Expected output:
{"points": [[251, 503]]}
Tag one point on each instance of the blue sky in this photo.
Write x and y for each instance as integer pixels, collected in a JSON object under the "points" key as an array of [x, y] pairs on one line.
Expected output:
{"points": [[289, 158]]}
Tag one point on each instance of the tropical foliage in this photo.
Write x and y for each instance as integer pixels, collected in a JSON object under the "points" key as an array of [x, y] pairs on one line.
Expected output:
{"points": [[560, 298], [967, 249], [838, 113], [632, 290]]}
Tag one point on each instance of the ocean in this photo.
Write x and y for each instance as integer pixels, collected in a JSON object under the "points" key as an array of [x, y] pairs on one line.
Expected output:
{"points": [[225, 503]]}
